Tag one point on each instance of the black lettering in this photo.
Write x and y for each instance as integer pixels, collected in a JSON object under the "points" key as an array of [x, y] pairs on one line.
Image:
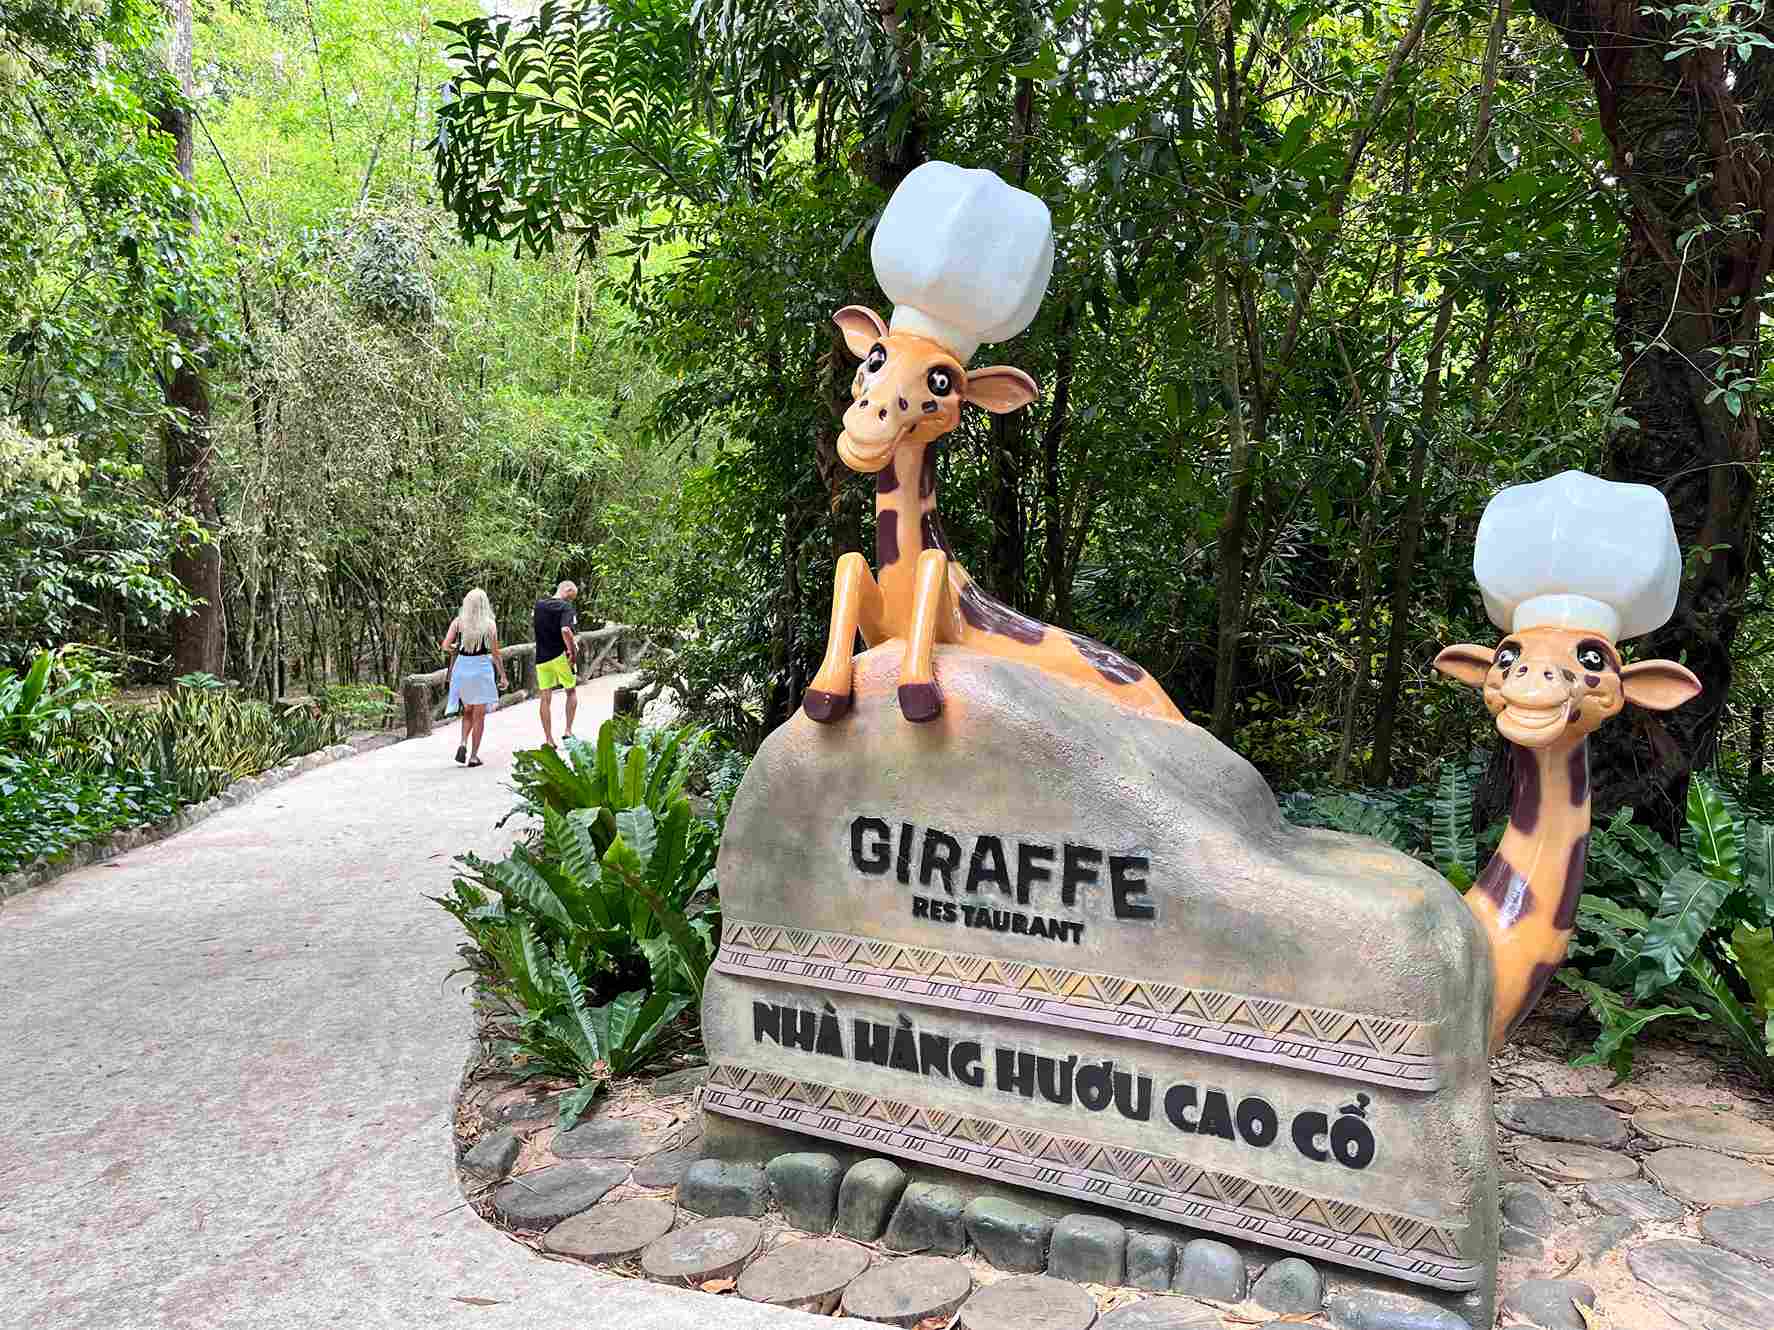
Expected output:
{"points": [[1096, 1085], [766, 1020], [1177, 1101], [933, 1054], [1000, 920], [874, 858], [1351, 1141], [872, 1042], [1308, 1127], [964, 1061], [905, 1053], [1038, 927], [1256, 1121], [979, 871], [1016, 1072], [1019, 922], [1054, 1075], [1127, 877], [942, 855], [903, 868], [1216, 1116], [1031, 861], [948, 911], [830, 1042], [920, 908], [1077, 930], [1079, 870], [1135, 1110], [800, 1029]]}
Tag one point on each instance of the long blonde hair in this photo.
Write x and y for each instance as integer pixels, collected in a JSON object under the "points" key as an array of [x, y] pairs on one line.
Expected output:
{"points": [[475, 625]]}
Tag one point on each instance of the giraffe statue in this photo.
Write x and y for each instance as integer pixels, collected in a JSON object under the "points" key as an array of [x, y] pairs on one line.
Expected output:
{"points": [[908, 394], [1571, 566], [966, 257]]}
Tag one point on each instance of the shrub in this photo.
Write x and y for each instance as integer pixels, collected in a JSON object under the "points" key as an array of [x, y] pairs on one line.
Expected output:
{"points": [[603, 921], [46, 809]]}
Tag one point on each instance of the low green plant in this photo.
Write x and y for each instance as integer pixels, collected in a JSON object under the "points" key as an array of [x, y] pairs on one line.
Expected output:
{"points": [[602, 922], [46, 809], [1679, 930]]}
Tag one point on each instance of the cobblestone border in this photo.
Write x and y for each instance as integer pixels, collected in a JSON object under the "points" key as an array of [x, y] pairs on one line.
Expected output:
{"points": [[87, 853]]}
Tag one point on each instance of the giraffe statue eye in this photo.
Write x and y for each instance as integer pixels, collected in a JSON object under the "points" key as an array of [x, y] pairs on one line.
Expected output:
{"points": [[877, 358], [1507, 655], [941, 381], [1590, 657]]}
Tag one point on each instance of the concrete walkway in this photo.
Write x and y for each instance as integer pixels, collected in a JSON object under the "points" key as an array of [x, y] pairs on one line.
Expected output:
{"points": [[225, 1070]]}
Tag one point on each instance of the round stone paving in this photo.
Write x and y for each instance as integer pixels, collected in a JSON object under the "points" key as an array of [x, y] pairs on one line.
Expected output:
{"points": [[1029, 1302], [1701, 1177], [904, 1292], [1562, 1161], [615, 1232], [1745, 1229], [1161, 1314], [1576, 1118], [808, 1276], [543, 1198], [1730, 1132], [712, 1249], [610, 1138]]}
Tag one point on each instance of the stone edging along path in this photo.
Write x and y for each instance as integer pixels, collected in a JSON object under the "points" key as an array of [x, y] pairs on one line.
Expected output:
{"points": [[237, 792], [1614, 1218]]}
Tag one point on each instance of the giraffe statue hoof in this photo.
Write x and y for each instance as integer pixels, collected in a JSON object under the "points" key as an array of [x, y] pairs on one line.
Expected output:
{"points": [[919, 702], [825, 707]]}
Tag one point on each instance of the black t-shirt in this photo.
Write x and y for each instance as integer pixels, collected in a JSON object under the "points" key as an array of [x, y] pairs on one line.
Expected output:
{"points": [[552, 615]]}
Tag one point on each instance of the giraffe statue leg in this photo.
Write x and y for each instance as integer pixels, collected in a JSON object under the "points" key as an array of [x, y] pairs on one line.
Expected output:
{"points": [[856, 603], [919, 699]]}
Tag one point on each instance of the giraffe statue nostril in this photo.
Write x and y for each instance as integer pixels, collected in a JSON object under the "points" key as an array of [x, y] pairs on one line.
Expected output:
{"points": [[903, 404], [883, 413]]}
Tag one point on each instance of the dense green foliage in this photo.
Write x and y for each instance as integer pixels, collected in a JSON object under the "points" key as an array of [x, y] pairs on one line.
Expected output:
{"points": [[75, 766], [601, 925]]}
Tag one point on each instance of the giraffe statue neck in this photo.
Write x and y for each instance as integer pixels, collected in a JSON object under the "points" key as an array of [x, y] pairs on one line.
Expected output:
{"points": [[906, 524], [1526, 898]]}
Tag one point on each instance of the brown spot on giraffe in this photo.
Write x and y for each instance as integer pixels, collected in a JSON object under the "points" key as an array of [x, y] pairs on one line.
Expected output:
{"points": [[886, 539], [994, 616], [886, 480], [1573, 892], [1549, 688]]}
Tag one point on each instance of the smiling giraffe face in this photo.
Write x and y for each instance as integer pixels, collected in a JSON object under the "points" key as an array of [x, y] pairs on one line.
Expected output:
{"points": [[909, 390], [1547, 685]]}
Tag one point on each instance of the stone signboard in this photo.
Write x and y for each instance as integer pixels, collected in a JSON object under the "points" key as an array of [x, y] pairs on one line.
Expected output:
{"points": [[1054, 943]]}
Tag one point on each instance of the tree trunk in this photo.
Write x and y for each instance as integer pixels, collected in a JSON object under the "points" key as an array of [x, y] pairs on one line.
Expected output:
{"points": [[1410, 534], [1687, 136], [1230, 554], [198, 637], [1058, 573]]}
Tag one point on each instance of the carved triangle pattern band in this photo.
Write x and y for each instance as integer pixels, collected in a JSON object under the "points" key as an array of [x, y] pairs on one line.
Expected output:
{"points": [[1158, 1185], [1378, 1050]]}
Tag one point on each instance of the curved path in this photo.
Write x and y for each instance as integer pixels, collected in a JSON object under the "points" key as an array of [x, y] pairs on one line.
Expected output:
{"points": [[226, 1062]]}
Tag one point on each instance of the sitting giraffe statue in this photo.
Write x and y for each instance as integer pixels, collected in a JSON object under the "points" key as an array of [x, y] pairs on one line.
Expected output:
{"points": [[967, 258], [1569, 567]]}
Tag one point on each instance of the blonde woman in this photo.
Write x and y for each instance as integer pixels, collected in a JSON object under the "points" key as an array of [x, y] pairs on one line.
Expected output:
{"points": [[474, 640]]}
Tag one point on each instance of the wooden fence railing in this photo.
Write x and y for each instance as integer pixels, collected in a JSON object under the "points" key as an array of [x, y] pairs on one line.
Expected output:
{"points": [[605, 650]]}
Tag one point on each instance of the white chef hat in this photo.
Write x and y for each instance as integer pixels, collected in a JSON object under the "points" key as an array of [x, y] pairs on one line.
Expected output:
{"points": [[1575, 551], [964, 257]]}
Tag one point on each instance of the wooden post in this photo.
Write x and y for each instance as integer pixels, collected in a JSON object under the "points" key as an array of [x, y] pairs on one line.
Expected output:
{"points": [[415, 691]]}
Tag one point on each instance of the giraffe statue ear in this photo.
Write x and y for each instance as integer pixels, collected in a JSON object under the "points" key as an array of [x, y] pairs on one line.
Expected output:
{"points": [[1467, 663], [1659, 685], [862, 328], [999, 388]]}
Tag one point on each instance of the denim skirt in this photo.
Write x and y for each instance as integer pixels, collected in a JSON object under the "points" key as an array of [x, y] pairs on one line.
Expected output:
{"points": [[471, 684]]}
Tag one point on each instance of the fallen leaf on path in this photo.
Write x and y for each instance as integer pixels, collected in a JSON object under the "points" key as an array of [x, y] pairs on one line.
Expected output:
{"points": [[478, 1302], [719, 1285]]}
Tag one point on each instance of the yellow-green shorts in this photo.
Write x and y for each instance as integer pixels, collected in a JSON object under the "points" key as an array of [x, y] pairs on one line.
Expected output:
{"points": [[556, 673]]}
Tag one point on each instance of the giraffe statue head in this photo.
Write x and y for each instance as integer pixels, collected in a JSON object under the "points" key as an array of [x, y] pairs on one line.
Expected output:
{"points": [[1550, 685], [1570, 566], [909, 389], [965, 258]]}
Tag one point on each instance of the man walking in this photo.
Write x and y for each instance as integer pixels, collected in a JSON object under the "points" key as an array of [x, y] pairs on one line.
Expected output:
{"points": [[555, 619]]}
